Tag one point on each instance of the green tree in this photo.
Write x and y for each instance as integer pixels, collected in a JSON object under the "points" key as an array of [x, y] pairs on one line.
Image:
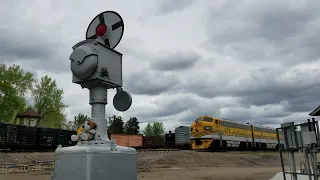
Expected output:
{"points": [[157, 129], [55, 119], [14, 83], [68, 125], [148, 130], [132, 126], [154, 129], [115, 125], [79, 120], [48, 102]]}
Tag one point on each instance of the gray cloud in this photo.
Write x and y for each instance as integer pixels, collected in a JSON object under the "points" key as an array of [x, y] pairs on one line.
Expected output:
{"points": [[254, 61], [170, 6], [150, 82], [256, 33], [176, 61], [173, 105], [27, 40], [264, 86]]}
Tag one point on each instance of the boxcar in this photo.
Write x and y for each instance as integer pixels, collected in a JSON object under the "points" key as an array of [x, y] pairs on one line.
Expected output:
{"points": [[153, 142], [135, 141]]}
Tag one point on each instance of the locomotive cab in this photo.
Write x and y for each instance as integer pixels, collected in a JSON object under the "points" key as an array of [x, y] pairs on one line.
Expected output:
{"points": [[203, 131]]}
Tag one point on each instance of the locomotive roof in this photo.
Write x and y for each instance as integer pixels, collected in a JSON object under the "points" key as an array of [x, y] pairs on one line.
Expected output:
{"points": [[235, 122]]}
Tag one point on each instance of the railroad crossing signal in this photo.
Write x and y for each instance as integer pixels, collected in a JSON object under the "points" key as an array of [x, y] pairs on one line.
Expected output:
{"points": [[108, 27], [95, 62], [97, 66]]}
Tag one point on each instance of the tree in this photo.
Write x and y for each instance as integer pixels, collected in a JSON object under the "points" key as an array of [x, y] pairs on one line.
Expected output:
{"points": [[154, 129], [132, 126], [14, 83], [148, 130], [68, 125], [55, 119], [79, 120], [115, 125], [48, 101], [157, 129]]}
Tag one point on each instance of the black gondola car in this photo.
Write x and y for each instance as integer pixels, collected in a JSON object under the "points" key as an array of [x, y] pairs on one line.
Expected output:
{"points": [[49, 138], [65, 138], [3, 135], [17, 136]]}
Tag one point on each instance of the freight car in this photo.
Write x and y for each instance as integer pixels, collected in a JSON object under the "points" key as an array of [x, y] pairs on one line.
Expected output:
{"points": [[127, 140], [153, 142], [214, 134], [144, 142], [19, 137], [182, 136], [49, 138]]}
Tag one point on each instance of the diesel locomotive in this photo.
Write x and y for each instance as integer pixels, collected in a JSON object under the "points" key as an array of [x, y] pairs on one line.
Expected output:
{"points": [[218, 134]]}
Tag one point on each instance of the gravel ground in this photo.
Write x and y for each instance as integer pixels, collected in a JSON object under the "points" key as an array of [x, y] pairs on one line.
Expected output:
{"points": [[175, 165]]}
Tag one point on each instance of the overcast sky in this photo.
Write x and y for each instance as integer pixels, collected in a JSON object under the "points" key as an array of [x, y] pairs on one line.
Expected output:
{"points": [[252, 61]]}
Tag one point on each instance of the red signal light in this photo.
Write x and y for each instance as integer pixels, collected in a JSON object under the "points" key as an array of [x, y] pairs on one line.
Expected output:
{"points": [[101, 29]]}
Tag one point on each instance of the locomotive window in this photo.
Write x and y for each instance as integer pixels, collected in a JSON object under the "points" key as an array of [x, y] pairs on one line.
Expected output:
{"points": [[217, 122], [207, 119], [207, 128]]}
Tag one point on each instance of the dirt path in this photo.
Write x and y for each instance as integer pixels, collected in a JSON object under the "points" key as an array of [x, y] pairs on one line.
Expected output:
{"points": [[213, 173]]}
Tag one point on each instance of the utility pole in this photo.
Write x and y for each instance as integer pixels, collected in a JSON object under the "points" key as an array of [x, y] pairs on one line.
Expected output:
{"points": [[95, 65], [252, 135]]}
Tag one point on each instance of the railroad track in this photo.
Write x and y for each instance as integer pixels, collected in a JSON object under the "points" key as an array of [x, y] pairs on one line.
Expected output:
{"points": [[138, 150], [52, 150], [8, 168], [234, 150], [205, 150], [156, 150], [25, 150]]}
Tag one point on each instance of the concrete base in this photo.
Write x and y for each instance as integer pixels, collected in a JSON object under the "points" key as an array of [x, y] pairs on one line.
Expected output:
{"points": [[95, 160]]}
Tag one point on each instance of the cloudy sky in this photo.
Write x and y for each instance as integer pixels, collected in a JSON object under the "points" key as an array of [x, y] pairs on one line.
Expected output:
{"points": [[252, 61]]}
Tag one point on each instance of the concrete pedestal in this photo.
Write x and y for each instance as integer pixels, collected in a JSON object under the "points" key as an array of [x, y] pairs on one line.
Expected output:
{"points": [[95, 160]]}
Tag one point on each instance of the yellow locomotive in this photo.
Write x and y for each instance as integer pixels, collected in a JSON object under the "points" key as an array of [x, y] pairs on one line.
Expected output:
{"points": [[214, 133]]}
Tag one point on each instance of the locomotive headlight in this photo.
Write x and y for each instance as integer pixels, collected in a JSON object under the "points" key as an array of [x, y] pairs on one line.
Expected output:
{"points": [[207, 128]]}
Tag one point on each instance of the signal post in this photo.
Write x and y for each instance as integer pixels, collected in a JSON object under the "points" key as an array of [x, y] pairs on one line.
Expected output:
{"points": [[95, 65]]}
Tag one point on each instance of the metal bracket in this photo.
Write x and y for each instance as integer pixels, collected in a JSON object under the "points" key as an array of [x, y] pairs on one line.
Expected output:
{"points": [[119, 89]]}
